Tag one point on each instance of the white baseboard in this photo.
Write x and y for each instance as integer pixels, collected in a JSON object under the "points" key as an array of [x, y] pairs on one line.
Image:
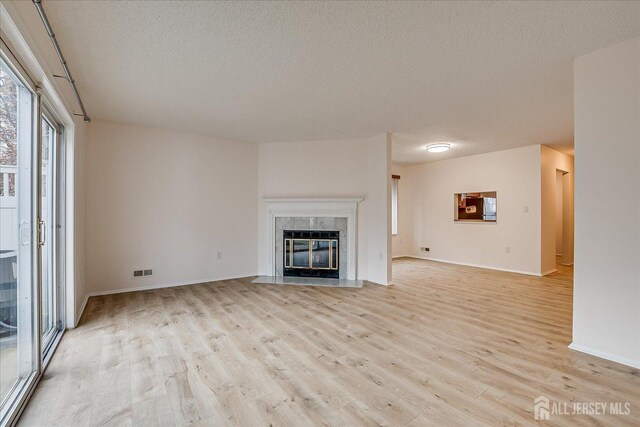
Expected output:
{"points": [[378, 284], [604, 355], [79, 314], [487, 267], [401, 256], [164, 285]]}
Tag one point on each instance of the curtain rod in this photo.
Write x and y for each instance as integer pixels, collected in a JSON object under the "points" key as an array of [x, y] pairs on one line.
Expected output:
{"points": [[52, 36]]}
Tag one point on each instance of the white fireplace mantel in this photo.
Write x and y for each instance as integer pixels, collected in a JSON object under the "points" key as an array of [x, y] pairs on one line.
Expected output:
{"points": [[337, 207]]}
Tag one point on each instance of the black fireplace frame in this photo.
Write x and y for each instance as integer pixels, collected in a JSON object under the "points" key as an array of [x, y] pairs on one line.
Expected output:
{"points": [[333, 237]]}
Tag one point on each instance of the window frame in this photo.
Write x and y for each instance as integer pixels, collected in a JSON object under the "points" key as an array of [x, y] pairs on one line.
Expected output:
{"points": [[395, 197]]}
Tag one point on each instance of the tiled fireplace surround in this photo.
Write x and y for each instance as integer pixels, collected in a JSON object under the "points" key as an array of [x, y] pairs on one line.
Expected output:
{"points": [[311, 223], [337, 214]]}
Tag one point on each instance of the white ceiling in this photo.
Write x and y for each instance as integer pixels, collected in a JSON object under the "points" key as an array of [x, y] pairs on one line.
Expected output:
{"points": [[484, 76]]}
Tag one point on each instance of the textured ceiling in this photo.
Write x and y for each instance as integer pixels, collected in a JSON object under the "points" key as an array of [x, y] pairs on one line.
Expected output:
{"points": [[483, 75]]}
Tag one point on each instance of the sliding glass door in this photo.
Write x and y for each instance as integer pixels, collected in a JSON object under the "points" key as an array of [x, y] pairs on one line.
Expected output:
{"points": [[31, 309], [50, 289], [18, 339]]}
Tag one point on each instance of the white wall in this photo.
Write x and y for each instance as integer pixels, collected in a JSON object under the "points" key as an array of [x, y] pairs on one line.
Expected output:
{"points": [[403, 241], [550, 162], [378, 230], [355, 167], [607, 203], [168, 201], [79, 203], [515, 175]]}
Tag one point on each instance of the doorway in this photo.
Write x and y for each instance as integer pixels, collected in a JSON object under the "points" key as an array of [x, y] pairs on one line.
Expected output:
{"points": [[563, 222], [558, 220]]}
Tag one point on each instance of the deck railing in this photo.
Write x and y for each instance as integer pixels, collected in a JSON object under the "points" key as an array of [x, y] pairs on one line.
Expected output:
{"points": [[8, 207], [8, 182]]}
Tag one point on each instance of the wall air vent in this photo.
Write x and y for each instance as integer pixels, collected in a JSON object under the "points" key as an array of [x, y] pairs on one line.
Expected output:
{"points": [[142, 273]]}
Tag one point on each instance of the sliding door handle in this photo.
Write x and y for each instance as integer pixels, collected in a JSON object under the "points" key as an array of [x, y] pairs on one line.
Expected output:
{"points": [[42, 233]]}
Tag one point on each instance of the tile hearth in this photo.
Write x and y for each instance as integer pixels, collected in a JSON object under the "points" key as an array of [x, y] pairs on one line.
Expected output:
{"points": [[308, 281]]}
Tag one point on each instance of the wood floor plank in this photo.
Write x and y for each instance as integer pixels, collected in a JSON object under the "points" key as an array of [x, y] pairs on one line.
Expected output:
{"points": [[445, 345]]}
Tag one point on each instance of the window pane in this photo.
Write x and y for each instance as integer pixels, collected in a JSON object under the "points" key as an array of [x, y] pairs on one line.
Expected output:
{"points": [[17, 338], [48, 294], [394, 206]]}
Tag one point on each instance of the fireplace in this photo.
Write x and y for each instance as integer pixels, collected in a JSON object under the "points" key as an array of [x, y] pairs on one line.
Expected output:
{"points": [[311, 253], [306, 214]]}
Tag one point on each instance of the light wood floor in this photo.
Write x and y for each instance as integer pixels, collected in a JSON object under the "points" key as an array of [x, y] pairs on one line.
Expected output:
{"points": [[447, 345]]}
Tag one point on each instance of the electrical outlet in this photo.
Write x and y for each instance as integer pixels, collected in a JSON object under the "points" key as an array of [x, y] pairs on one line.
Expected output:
{"points": [[138, 273], [507, 249], [424, 249], [219, 256], [148, 272]]}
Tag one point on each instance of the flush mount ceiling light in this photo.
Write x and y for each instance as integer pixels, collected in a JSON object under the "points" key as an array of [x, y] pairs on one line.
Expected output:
{"points": [[438, 148]]}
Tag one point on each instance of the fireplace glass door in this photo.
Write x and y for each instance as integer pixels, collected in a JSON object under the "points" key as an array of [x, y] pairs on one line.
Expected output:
{"points": [[320, 254], [306, 255], [300, 253]]}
